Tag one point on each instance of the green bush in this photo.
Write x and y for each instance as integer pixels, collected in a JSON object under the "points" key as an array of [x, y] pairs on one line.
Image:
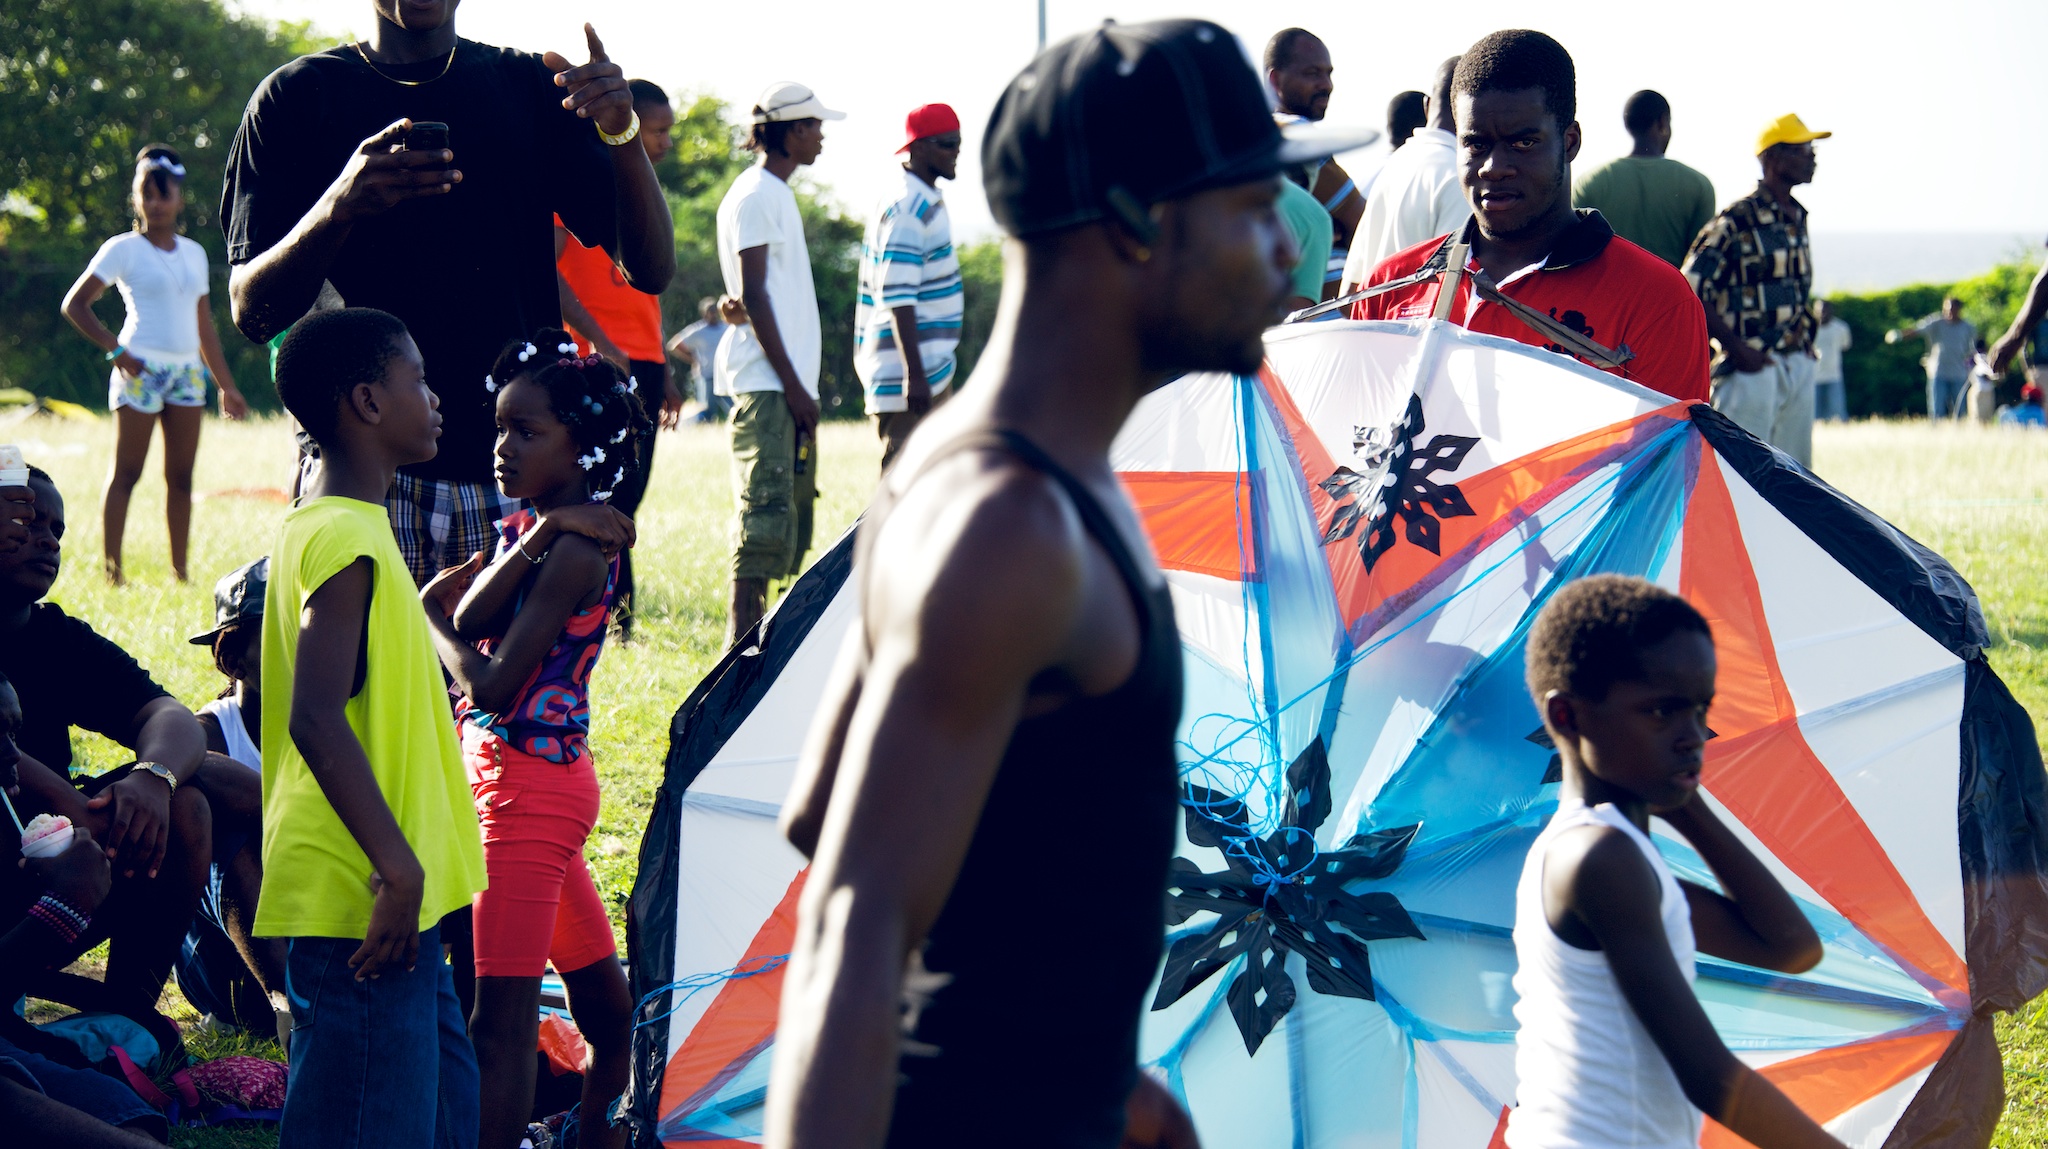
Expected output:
{"points": [[709, 154], [1887, 379], [83, 85]]}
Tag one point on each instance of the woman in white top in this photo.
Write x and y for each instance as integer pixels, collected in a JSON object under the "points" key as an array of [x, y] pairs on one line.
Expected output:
{"points": [[161, 357]]}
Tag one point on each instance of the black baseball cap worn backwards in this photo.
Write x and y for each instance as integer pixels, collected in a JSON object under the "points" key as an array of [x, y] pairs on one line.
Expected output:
{"points": [[237, 598], [1105, 124]]}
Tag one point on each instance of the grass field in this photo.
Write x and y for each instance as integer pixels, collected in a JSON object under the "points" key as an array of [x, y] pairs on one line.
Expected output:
{"points": [[1980, 497]]}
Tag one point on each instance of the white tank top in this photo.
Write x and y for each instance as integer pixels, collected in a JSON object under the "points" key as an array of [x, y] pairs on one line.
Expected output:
{"points": [[241, 748], [1588, 1075]]}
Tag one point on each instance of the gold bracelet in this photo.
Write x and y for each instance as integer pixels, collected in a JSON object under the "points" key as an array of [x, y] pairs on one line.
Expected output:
{"points": [[625, 137]]}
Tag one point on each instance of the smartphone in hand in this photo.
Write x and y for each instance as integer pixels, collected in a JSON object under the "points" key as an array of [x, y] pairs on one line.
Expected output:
{"points": [[426, 136]]}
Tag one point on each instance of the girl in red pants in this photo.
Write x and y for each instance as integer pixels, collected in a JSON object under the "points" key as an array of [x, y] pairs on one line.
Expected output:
{"points": [[520, 637]]}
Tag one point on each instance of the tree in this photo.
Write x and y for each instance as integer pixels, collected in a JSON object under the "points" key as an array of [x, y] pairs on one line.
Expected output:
{"points": [[710, 152], [84, 84], [981, 269]]}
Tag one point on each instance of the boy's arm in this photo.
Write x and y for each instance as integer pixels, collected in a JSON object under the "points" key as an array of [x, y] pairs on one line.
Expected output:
{"points": [[1756, 922], [330, 642], [1597, 878], [574, 569]]}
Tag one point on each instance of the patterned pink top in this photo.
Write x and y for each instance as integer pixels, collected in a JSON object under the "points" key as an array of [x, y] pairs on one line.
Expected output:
{"points": [[550, 717]]}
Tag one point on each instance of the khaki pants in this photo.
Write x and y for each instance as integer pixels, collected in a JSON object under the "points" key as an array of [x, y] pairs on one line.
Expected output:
{"points": [[776, 499], [1774, 404]]}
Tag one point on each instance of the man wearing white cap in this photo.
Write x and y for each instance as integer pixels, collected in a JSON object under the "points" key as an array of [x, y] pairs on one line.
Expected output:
{"points": [[769, 364]]}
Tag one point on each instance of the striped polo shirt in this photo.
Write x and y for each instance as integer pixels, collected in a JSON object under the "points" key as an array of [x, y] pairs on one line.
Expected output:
{"points": [[907, 259]]}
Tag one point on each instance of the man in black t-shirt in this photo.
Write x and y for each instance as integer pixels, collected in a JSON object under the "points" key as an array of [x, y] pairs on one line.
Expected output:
{"points": [[154, 825], [457, 242]]}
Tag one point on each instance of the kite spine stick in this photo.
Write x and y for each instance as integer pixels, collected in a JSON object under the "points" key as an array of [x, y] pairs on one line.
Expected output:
{"points": [[1341, 301], [1454, 274]]}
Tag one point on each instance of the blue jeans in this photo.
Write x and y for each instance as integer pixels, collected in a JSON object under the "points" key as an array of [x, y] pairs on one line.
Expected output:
{"points": [[377, 1063], [86, 1090], [1944, 398], [1828, 400]]}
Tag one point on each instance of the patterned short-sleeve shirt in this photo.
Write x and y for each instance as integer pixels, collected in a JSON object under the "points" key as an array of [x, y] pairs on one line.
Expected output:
{"points": [[907, 260], [1753, 266]]}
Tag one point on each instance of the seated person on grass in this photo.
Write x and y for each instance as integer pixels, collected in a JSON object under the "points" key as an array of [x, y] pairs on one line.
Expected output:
{"points": [[224, 969], [1613, 1047], [154, 827], [48, 1095]]}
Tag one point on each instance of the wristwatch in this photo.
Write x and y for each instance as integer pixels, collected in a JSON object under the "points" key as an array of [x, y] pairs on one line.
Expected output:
{"points": [[160, 770]]}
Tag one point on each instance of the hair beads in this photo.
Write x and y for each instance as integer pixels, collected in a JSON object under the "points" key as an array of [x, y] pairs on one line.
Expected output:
{"points": [[591, 397]]}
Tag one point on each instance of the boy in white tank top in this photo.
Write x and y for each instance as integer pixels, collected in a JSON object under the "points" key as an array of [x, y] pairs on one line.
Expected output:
{"points": [[1613, 1049]]}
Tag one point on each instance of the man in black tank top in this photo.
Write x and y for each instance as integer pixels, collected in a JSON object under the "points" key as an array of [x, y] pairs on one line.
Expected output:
{"points": [[989, 794]]}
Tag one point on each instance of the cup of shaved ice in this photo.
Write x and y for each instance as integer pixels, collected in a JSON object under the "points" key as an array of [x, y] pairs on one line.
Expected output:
{"points": [[46, 836], [13, 468]]}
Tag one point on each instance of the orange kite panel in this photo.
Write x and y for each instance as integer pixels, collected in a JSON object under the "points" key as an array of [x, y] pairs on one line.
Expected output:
{"points": [[1829, 1082], [740, 1021], [1761, 767]]}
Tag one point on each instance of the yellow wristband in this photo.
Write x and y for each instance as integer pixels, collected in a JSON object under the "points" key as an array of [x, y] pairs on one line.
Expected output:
{"points": [[625, 137]]}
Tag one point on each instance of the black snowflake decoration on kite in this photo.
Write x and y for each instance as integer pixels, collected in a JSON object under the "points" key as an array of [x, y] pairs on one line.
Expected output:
{"points": [[1280, 895], [1397, 482]]}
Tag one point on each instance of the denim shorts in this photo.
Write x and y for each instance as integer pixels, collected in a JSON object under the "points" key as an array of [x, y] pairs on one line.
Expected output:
{"points": [[376, 1063]]}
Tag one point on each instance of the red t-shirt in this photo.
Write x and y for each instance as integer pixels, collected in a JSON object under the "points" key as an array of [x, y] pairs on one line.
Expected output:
{"points": [[631, 318], [1594, 282]]}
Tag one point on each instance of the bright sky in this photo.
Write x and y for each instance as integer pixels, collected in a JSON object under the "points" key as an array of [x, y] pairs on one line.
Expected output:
{"points": [[1934, 108]]}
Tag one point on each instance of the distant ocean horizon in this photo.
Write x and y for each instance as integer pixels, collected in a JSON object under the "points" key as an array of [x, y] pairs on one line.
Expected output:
{"points": [[1881, 261]]}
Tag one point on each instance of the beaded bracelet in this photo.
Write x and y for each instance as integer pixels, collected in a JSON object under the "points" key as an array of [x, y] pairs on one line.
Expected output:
{"points": [[66, 922]]}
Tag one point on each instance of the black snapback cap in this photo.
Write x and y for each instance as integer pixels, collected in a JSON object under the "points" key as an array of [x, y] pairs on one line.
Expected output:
{"points": [[1107, 123], [237, 598]]}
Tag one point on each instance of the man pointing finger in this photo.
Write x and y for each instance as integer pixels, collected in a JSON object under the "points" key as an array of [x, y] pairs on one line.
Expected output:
{"points": [[332, 180]]}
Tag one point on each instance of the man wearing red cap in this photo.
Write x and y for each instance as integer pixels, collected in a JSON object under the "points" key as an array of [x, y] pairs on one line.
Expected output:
{"points": [[911, 301]]}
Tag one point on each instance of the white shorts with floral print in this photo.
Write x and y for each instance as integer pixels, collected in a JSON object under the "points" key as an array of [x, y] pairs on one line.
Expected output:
{"points": [[159, 385]]}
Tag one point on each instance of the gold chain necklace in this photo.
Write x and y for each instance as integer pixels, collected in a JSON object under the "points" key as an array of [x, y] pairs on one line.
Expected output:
{"points": [[364, 53]]}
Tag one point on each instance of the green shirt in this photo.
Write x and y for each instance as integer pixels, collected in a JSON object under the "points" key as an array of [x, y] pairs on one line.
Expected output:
{"points": [[316, 878], [1308, 221], [1653, 202]]}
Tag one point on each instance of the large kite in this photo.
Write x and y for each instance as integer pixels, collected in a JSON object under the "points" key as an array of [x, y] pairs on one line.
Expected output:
{"points": [[1358, 539]]}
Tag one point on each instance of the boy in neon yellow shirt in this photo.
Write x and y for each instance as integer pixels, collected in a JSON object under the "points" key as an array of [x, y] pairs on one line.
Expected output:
{"points": [[369, 834]]}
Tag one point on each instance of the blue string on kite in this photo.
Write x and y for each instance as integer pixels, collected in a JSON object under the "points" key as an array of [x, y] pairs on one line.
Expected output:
{"points": [[1657, 444], [1243, 767], [689, 986], [1248, 783]]}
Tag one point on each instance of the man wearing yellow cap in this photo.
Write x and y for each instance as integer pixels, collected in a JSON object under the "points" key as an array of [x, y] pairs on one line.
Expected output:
{"points": [[1753, 269]]}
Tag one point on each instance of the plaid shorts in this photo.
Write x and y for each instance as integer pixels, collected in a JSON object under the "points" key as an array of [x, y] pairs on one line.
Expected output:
{"points": [[441, 522]]}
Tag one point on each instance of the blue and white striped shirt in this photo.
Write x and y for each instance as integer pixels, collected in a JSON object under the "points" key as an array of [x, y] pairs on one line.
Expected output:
{"points": [[907, 259]]}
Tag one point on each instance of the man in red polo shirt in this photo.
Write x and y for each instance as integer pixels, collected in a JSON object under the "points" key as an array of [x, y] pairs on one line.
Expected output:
{"points": [[1515, 95], [613, 319]]}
